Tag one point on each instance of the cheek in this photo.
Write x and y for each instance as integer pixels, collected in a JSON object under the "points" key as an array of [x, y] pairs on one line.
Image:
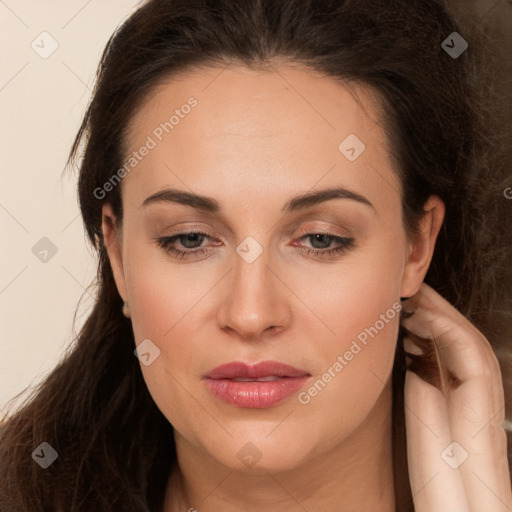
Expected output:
{"points": [[163, 293], [355, 367], [360, 305], [164, 306], [356, 293], [169, 303]]}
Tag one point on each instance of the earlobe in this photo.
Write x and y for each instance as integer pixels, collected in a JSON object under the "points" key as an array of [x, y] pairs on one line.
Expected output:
{"points": [[421, 247], [112, 243]]}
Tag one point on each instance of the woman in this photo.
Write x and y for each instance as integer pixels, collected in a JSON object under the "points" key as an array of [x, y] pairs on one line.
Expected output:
{"points": [[286, 197]]}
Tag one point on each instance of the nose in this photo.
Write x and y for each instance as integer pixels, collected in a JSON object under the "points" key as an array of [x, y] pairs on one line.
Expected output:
{"points": [[255, 302]]}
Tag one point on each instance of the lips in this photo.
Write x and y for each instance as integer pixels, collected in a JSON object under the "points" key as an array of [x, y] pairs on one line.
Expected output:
{"points": [[255, 386]]}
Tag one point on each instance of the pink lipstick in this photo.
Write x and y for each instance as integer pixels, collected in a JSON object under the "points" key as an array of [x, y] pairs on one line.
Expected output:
{"points": [[255, 386]]}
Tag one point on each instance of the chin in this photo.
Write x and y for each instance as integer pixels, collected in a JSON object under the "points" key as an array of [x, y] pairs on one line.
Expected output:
{"points": [[259, 453]]}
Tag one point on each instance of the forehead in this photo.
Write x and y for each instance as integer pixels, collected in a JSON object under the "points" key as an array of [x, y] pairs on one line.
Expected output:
{"points": [[259, 131]]}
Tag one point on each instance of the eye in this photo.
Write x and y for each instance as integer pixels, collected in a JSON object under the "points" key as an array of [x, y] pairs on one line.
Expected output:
{"points": [[192, 241], [324, 239]]}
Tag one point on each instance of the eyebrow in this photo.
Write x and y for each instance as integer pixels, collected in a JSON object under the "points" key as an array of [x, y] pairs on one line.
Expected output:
{"points": [[210, 205]]}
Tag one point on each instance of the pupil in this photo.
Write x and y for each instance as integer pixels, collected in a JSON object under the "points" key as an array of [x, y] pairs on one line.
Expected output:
{"points": [[319, 237], [188, 239]]}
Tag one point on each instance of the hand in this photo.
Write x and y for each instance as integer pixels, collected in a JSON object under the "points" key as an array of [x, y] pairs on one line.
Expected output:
{"points": [[454, 412]]}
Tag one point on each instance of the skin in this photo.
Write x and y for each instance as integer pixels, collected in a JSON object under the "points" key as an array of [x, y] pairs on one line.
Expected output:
{"points": [[255, 140], [469, 410]]}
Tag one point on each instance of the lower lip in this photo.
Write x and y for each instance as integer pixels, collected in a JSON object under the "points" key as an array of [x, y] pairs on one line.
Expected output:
{"points": [[255, 395]]}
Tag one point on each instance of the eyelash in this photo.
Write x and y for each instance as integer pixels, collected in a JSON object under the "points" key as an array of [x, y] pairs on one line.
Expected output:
{"points": [[345, 245]]}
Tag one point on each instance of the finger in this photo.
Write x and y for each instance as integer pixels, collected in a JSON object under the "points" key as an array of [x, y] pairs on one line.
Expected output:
{"points": [[475, 405], [477, 427], [435, 485], [463, 348], [460, 347]]}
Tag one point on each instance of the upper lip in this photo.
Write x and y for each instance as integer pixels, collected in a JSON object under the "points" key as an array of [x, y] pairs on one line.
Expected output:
{"points": [[241, 370]]}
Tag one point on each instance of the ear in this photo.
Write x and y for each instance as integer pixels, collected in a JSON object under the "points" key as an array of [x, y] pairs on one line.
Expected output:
{"points": [[421, 246], [113, 243]]}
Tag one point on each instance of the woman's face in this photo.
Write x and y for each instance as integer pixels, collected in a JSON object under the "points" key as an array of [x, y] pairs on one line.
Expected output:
{"points": [[270, 284]]}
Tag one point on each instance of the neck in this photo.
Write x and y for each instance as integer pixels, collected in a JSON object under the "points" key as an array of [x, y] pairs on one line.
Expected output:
{"points": [[353, 475]]}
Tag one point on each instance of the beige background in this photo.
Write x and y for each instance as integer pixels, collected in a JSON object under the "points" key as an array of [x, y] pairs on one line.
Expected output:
{"points": [[41, 105], [42, 101]]}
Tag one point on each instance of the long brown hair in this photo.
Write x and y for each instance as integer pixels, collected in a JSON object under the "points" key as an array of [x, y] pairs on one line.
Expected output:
{"points": [[115, 447]]}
